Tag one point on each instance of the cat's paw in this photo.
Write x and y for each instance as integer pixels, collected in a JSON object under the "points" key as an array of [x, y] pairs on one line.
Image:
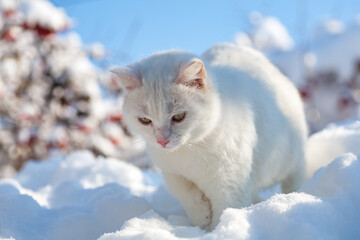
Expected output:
{"points": [[201, 212]]}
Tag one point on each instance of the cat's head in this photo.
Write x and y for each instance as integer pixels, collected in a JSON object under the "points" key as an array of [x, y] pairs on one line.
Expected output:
{"points": [[169, 99]]}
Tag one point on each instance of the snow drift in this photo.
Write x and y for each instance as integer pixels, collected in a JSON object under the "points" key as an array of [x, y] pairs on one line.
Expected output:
{"points": [[335, 139], [82, 197]]}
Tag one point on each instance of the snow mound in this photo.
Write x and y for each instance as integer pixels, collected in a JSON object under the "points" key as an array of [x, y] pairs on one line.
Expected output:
{"points": [[78, 197], [334, 140], [82, 197], [327, 209]]}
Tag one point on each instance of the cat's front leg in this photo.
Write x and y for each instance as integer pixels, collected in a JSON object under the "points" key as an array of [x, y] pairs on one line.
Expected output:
{"points": [[195, 203], [224, 195]]}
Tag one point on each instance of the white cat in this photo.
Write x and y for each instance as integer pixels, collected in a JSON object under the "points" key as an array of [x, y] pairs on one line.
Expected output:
{"points": [[220, 128]]}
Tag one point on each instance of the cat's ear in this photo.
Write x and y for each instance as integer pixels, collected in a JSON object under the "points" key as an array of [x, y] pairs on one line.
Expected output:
{"points": [[129, 78], [192, 74]]}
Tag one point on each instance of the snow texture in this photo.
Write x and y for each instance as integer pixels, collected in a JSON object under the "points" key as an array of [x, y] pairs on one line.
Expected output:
{"points": [[335, 139], [82, 197]]}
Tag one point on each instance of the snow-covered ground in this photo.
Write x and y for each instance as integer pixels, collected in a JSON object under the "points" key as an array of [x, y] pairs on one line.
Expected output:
{"points": [[82, 197]]}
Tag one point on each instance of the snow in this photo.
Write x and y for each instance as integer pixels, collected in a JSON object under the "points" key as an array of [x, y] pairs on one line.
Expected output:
{"points": [[331, 26], [324, 66], [327, 208], [271, 34], [335, 139], [45, 14], [50, 91], [243, 39], [331, 43], [268, 34], [97, 51], [39, 13], [79, 196], [8, 4]]}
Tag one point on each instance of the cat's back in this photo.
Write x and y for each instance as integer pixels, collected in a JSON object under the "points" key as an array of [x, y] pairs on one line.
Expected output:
{"points": [[243, 58], [256, 95], [246, 65], [246, 74]]}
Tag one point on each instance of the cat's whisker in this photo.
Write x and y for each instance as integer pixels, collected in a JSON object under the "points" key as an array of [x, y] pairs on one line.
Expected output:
{"points": [[206, 145], [192, 147]]}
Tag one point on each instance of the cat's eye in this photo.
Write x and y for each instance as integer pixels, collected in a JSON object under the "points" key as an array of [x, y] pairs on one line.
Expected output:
{"points": [[178, 117], [144, 120]]}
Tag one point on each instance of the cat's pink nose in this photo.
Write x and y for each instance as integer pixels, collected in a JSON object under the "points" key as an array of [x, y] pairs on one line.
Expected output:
{"points": [[163, 142]]}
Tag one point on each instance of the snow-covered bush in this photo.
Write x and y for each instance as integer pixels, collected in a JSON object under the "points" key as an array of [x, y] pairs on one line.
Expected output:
{"points": [[50, 93], [326, 68]]}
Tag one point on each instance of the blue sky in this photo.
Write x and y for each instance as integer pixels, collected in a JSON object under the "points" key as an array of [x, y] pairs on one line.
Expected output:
{"points": [[132, 29]]}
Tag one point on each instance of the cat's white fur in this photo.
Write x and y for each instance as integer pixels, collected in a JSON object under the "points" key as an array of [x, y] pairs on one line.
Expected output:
{"points": [[244, 128]]}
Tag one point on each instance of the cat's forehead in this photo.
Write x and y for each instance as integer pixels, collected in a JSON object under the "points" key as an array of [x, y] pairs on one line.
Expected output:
{"points": [[159, 94], [162, 100]]}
